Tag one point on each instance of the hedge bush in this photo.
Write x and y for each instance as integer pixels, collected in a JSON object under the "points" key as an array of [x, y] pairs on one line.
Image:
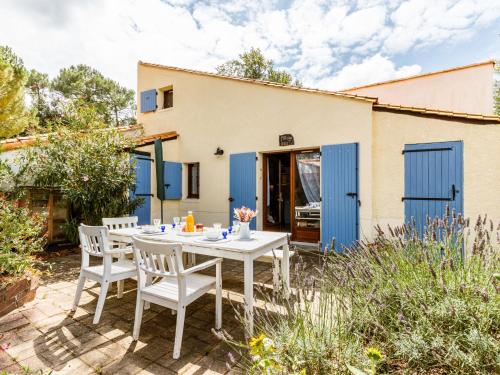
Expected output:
{"points": [[21, 235]]}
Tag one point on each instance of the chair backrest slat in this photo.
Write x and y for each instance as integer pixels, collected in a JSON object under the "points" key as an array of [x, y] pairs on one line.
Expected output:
{"points": [[160, 261], [120, 222], [94, 239], [158, 258]]}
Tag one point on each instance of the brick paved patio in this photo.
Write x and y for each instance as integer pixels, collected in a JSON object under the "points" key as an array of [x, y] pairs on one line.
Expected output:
{"points": [[45, 335]]}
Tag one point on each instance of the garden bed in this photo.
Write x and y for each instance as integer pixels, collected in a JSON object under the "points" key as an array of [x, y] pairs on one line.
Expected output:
{"points": [[16, 291]]}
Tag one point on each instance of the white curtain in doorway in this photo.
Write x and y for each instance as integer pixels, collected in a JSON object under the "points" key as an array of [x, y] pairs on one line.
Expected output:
{"points": [[308, 165]]}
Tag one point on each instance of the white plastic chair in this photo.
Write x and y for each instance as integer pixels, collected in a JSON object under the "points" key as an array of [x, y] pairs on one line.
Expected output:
{"points": [[178, 286], [275, 257], [119, 223], [94, 242]]}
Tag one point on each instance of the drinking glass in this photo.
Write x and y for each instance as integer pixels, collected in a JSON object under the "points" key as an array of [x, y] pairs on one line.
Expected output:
{"points": [[218, 227], [224, 234], [163, 228], [182, 225], [177, 220], [156, 223], [236, 226]]}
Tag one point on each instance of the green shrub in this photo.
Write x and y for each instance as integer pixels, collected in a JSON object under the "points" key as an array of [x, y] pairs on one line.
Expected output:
{"points": [[21, 235], [91, 168], [430, 305]]}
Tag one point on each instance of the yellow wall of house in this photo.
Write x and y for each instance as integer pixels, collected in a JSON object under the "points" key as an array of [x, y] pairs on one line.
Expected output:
{"points": [[237, 116], [481, 162], [462, 90]]}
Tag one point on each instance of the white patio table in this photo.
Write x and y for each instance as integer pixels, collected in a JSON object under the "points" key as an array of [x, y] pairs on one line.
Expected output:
{"points": [[243, 250]]}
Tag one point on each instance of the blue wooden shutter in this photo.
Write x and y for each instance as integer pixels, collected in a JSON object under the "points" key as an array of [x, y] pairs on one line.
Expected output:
{"points": [[142, 187], [433, 180], [172, 179], [148, 101], [242, 183], [339, 195]]}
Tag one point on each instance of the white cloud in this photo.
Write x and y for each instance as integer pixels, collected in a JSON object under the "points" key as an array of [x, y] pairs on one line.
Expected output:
{"points": [[418, 23], [373, 69], [330, 43]]}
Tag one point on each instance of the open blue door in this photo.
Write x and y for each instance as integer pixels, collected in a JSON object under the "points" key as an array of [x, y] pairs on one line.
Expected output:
{"points": [[339, 195], [142, 187], [433, 180], [242, 183]]}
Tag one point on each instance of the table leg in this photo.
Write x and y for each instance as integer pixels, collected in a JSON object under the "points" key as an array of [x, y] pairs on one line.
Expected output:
{"points": [[120, 284], [248, 279], [285, 269]]}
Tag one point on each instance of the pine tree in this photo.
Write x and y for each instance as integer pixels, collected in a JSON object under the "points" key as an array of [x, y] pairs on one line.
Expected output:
{"points": [[252, 64], [14, 116]]}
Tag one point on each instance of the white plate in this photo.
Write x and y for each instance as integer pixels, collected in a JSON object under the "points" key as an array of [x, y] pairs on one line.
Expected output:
{"points": [[252, 238], [151, 232], [189, 234], [206, 240]]}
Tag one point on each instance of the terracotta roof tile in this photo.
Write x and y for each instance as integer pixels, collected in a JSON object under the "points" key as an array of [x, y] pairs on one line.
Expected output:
{"points": [[416, 76], [437, 112], [261, 82], [20, 142], [151, 138]]}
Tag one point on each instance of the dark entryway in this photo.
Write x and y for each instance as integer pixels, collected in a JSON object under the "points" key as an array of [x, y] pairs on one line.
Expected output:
{"points": [[292, 194]]}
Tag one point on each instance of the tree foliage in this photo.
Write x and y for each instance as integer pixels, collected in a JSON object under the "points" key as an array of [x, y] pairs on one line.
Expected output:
{"points": [[53, 104], [92, 170], [38, 88], [252, 64], [87, 162], [82, 84], [14, 116]]}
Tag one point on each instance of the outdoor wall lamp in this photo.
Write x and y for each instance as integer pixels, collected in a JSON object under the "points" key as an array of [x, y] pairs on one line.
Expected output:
{"points": [[219, 151]]}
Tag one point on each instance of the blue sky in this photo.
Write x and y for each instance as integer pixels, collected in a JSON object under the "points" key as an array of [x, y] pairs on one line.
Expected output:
{"points": [[326, 44]]}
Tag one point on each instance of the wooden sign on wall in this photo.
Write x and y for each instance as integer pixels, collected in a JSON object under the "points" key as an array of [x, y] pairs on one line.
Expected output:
{"points": [[286, 140]]}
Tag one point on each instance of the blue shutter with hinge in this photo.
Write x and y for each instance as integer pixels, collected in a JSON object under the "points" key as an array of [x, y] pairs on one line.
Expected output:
{"points": [[142, 188], [242, 183], [433, 180], [173, 180], [148, 101], [339, 195]]}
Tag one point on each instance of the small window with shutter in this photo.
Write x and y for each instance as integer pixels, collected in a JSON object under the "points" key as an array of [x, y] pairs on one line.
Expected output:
{"points": [[193, 180], [166, 97]]}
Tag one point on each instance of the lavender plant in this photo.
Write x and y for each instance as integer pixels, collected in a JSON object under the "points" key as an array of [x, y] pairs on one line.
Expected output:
{"points": [[428, 304]]}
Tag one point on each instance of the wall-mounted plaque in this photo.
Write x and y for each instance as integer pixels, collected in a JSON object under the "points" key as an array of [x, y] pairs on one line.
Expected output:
{"points": [[286, 140]]}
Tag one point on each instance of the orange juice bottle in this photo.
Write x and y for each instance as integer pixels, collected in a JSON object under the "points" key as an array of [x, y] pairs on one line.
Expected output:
{"points": [[190, 222]]}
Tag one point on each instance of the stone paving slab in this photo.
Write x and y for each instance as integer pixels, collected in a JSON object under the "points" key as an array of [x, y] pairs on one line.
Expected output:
{"points": [[45, 335]]}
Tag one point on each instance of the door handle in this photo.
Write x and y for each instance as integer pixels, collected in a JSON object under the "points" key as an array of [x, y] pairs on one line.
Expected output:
{"points": [[230, 199], [454, 192], [352, 195]]}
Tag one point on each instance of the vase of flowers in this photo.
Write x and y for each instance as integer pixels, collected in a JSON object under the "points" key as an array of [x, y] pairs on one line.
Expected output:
{"points": [[244, 215]]}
